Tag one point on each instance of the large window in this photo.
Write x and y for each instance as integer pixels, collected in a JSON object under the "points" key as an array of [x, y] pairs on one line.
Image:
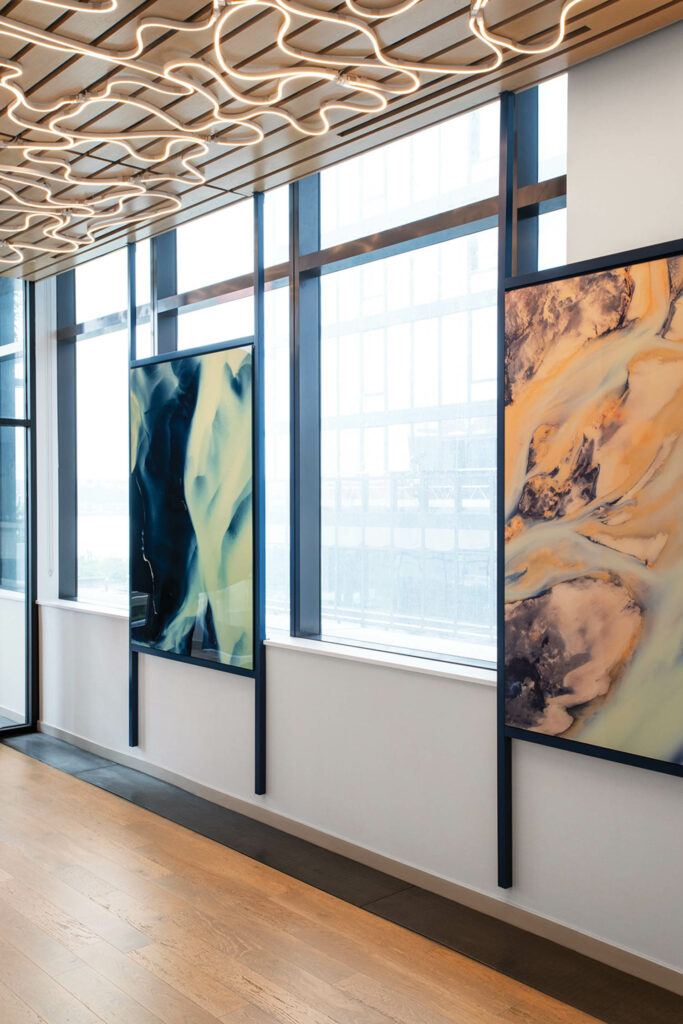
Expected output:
{"points": [[408, 449], [380, 364]]}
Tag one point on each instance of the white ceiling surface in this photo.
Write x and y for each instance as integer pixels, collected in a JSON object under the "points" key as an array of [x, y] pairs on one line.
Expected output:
{"points": [[51, 69]]}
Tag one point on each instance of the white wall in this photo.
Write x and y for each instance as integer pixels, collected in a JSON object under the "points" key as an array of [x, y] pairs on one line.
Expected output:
{"points": [[403, 762], [625, 155], [12, 656]]}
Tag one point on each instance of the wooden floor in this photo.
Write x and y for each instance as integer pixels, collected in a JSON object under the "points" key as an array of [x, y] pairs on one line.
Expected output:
{"points": [[111, 914]]}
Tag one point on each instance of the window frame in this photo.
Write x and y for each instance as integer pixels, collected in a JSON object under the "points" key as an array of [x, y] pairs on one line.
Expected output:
{"points": [[26, 423], [520, 201]]}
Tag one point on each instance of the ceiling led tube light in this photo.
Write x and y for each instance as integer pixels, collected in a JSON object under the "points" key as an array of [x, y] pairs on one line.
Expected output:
{"points": [[50, 208]]}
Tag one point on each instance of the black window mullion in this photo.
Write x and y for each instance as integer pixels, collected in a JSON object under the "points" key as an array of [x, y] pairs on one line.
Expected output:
{"points": [[164, 285], [526, 173], [32, 654], [305, 572], [66, 438]]}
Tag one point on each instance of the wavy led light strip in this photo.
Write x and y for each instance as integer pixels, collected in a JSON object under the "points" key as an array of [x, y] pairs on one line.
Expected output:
{"points": [[55, 210]]}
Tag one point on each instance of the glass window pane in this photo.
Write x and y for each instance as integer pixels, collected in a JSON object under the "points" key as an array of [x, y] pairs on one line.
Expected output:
{"points": [[102, 286], [213, 324], [277, 458], [144, 342], [552, 239], [440, 168], [276, 226], [217, 247], [12, 364], [552, 128], [13, 541], [143, 272], [409, 450], [102, 464]]}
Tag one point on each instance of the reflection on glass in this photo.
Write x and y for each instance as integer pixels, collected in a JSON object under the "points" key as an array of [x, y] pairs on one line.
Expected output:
{"points": [[276, 226], [225, 321], [552, 239], [13, 539], [440, 168], [12, 366], [277, 458], [552, 128], [102, 286], [102, 461], [216, 247], [409, 450]]}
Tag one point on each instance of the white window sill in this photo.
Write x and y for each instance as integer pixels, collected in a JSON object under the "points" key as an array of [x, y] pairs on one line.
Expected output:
{"points": [[387, 659], [11, 595], [103, 610], [365, 655]]}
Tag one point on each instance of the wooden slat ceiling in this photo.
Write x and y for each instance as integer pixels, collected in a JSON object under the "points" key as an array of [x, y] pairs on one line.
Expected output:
{"points": [[437, 32]]}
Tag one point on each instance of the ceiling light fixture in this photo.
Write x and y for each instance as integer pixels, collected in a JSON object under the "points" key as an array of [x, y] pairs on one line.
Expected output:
{"points": [[56, 210]]}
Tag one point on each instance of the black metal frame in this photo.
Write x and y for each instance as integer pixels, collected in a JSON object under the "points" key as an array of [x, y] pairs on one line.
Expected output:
{"points": [[164, 272], [27, 424], [506, 734], [516, 209]]}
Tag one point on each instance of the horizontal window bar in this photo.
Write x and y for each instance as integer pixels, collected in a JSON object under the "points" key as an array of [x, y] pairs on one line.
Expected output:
{"points": [[221, 291], [90, 328], [140, 648], [471, 215], [541, 191], [8, 421], [540, 197], [409, 245]]}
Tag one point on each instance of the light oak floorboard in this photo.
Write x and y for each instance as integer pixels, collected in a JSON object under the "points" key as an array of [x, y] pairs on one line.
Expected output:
{"points": [[111, 915]]}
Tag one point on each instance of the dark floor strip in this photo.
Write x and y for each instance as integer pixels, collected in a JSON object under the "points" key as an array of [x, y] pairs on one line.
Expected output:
{"points": [[600, 991], [331, 872], [577, 980], [56, 753]]}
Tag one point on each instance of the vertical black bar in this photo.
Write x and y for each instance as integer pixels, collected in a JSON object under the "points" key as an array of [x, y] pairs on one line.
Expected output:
{"points": [[132, 302], [9, 504], [526, 173], [164, 284], [259, 532], [505, 242], [133, 699], [66, 438], [133, 694], [32, 654], [305, 557]]}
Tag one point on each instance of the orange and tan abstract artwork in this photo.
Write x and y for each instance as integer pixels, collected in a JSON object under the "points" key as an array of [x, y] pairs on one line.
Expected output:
{"points": [[594, 509]]}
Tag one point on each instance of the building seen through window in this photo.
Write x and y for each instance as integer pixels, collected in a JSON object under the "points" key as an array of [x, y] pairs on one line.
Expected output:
{"points": [[409, 449]]}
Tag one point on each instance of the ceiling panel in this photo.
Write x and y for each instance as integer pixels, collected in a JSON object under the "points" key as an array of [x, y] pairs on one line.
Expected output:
{"points": [[373, 101]]}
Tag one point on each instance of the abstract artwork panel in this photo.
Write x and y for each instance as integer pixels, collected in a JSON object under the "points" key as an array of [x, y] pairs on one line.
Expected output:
{"points": [[593, 396], [192, 550]]}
